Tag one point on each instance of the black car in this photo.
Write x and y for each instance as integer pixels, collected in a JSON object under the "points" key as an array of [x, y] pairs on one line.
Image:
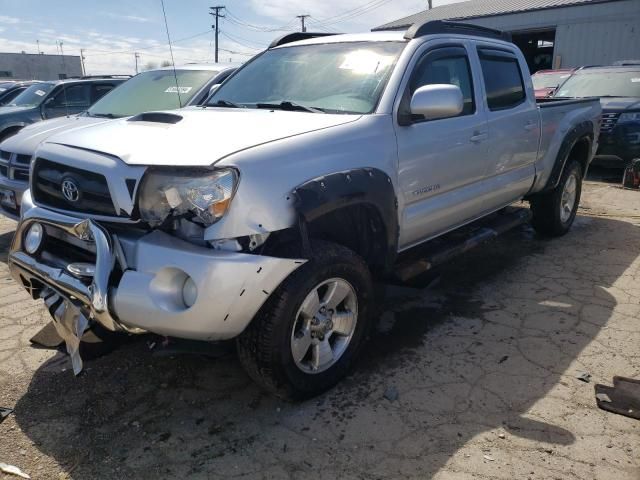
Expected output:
{"points": [[44, 100], [619, 90]]}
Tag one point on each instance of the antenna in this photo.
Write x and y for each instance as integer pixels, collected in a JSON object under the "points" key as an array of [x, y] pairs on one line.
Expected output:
{"points": [[64, 87], [173, 63]]}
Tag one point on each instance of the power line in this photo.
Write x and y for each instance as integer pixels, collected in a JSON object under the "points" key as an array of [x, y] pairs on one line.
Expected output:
{"points": [[351, 14]]}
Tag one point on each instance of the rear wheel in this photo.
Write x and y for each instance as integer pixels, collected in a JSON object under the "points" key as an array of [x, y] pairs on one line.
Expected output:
{"points": [[311, 329], [555, 211]]}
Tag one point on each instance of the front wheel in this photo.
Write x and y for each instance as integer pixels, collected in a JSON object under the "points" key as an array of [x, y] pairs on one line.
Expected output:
{"points": [[310, 331], [555, 211]]}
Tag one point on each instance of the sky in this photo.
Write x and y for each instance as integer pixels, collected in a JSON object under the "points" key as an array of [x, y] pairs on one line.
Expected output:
{"points": [[111, 31]]}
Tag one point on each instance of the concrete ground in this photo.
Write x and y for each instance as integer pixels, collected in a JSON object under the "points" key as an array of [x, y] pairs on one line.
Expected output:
{"points": [[484, 362]]}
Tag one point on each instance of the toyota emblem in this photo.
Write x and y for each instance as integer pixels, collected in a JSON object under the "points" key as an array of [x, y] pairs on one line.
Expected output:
{"points": [[70, 190]]}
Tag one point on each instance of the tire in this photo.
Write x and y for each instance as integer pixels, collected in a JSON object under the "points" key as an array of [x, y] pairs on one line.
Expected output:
{"points": [[265, 348], [553, 213]]}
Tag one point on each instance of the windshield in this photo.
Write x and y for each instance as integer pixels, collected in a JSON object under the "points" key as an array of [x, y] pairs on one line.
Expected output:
{"points": [[330, 77], [4, 86], [602, 84], [32, 96], [153, 90], [548, 80]]}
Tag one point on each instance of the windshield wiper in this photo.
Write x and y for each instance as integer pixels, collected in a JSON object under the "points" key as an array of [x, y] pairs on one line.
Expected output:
{"points": [[289, 106], [225, 103], [101, 115]]}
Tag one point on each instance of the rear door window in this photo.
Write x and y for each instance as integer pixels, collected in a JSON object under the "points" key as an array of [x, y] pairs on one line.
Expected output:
{"points": [[72, 96], [502, 79]]}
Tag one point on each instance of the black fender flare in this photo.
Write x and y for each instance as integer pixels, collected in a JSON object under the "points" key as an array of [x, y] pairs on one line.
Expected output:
{"points": [[583, 130], [360, 186]]}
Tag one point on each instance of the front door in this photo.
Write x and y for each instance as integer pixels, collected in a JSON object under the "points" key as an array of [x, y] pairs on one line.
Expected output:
{"points": [[442, 162]]}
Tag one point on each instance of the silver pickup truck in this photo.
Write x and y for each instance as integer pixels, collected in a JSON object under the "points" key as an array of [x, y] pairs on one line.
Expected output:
{"points": [[266, 214]]}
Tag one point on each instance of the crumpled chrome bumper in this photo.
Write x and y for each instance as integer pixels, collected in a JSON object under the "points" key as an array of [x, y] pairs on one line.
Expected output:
{"points": [[139, 281]]}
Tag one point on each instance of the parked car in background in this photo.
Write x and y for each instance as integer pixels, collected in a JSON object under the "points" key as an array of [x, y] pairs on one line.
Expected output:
{"points": [[12, 88], [44, 100], [267, 215], [619, 90], [545, 82], [150, 90]]}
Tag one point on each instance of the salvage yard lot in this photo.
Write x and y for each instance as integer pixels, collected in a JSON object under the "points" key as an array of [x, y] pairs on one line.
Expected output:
{"points": [[484, 363]]}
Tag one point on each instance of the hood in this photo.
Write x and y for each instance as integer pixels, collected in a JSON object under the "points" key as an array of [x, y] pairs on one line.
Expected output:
{"points": [[620, 104], [27, 140], [6, 111], [194, 136]]}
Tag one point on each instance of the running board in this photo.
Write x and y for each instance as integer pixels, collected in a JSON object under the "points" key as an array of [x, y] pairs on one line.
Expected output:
{"points": [[444, 248]]}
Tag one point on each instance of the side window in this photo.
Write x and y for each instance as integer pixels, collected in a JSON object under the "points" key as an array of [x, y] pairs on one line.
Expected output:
{"points": [[72, 96], [11, 95], [502, 79], [99, 90], [448, 66]]}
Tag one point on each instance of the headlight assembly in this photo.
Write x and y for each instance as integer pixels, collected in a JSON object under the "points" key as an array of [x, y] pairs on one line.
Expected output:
{"points": [[202, 195], [629, 117]]}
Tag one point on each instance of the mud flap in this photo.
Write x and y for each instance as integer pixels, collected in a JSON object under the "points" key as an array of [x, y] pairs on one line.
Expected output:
{"points": [[70, 324]]}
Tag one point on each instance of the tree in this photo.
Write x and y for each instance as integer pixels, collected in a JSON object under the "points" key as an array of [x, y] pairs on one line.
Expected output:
{"points": [[149, 66], [165, 63]]}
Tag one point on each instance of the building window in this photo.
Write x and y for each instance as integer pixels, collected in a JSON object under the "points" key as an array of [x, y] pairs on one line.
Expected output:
{"points": [[6, 73], [62, 76]]}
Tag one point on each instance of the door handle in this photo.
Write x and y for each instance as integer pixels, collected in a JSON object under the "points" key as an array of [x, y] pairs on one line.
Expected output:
{"points": [[478, 137]]}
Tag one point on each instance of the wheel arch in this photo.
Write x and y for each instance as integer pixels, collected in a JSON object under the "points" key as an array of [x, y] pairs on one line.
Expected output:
{"points": [[577, 145], [356, 208]]}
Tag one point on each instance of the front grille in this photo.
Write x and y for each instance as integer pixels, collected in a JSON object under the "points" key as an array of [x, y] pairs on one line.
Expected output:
{"points": [[609, 121], [93, 190], [23, 159], [15, 166], [21, 174]]}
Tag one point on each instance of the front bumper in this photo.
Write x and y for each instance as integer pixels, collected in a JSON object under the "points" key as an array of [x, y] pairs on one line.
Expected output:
{"points": [[618, 146], [11, 192], [138, 281]]}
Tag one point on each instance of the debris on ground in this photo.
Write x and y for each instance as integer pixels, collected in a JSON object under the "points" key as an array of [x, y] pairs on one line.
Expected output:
{"points": [[503, 359], [623, 398], [489, 458], [391, 394], [501, 435], [584, 377], [4, 413], [12, 470]]}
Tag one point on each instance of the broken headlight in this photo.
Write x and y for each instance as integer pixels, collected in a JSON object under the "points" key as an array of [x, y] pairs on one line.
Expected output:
{"points": [[201, 195]]}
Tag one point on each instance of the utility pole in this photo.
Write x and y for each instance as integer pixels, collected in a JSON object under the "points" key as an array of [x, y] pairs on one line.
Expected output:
{"points": [[82, 60], [137, 56], [216, 13], [430, 4], [39, 51], [302, 18]]}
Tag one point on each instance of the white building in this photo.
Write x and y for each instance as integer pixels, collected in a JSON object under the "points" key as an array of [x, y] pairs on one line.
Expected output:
{"points": [[551, 33]]}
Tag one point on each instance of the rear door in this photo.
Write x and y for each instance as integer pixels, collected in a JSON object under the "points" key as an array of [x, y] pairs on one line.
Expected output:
{"points": [[442, 162], [514, 123]]}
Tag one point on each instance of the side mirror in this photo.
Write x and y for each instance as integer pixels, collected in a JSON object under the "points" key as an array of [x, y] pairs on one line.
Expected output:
{"points": [[44, 106], [437, 101], [214, 88]]}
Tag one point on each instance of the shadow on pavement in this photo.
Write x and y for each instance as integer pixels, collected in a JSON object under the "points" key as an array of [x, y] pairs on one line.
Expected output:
{"points": [[495, 332]]}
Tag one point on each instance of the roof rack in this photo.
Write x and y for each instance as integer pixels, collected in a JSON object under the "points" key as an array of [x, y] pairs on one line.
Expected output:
{"points": [[89, 77], [296, 36], [442, 26]]}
